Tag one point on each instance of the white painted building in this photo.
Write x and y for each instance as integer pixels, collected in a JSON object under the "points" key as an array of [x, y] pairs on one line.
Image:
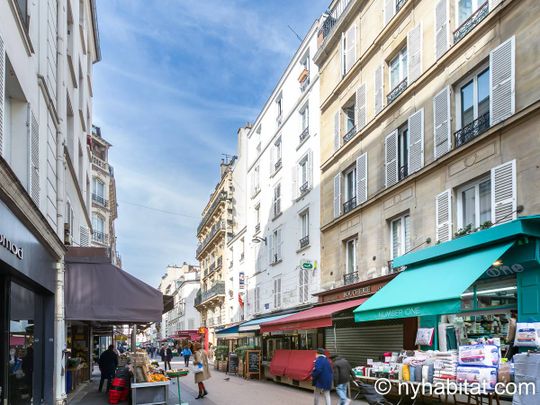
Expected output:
{"points": [[47, 52], [282, 227]]}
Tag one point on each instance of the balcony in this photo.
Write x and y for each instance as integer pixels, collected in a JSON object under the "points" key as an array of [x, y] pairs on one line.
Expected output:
{"points": [[351, 278], [100, 237], [304, 134], [304, 242], [350, 134], [471, 22], [216, 291], [396, 91], [216, 228], [222, 197], [403, 172], [304, 188], [472, 130], [100, 163], [100, 200], [349, 205]]}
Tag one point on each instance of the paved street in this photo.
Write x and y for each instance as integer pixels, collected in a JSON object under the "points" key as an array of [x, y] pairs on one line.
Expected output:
{"points": [[222, 389]]}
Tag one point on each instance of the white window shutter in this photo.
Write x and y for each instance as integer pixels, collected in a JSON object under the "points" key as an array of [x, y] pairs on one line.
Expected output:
{"points": [[360, 107], [416, 141], [337, 195], [279, 244], [270, 248], [272, 158], [441, 28], [389, 10], [33, 129], [443, 216], [361, 178], [343, 54], [502, 81], [378, 89], [84, 236], [337, 137], [414, 51], [390, 159], [2, 93], [295, 186], [442, 141], [503, 193], [350, 48], [310, 169]]}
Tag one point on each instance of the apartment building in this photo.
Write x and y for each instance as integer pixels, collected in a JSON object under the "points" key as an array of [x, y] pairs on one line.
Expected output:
{"points": [[429, 122], [47, 51], [184, 316], [215, 230], [281, 243], [104, 204]]}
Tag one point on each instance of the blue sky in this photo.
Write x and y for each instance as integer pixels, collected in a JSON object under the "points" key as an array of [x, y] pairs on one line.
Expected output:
{"points": [[176, 80]]}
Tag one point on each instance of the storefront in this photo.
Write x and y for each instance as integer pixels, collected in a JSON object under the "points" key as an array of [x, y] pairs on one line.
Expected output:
{"points": [[468, 288], [27, 285]]}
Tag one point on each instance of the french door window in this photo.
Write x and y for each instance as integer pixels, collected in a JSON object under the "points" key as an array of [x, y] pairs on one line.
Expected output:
{"points": [[350, 256], [398, 68], [474, 98], [400, 236], [474, 204]]}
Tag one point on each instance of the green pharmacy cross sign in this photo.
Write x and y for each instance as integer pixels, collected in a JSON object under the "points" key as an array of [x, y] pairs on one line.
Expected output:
{"points": [[307, 264]]}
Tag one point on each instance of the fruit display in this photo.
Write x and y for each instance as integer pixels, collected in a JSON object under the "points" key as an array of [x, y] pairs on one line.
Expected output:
{"points": [[156, 377]]}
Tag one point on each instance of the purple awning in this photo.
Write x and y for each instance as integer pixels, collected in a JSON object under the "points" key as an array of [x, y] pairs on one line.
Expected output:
{"points": [[96, 290]]}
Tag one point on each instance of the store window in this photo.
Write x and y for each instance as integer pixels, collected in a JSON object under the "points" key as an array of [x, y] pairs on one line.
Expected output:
{"points": [[23, 311], [489, 293], [398, 68], [400, 236], [474, 204]]}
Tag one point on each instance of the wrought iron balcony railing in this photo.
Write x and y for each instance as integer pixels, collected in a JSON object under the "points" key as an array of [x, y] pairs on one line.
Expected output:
{"points": [[277, 165], [350, 134], [222, 197], [217, 227], [349, 205], [399, 4], [99, 199], [471, 22], [403, 172], [351, 278], [304, 134], [304, 187], [472, 130], [304, 241], [217, 289], [100, 237], [396, 91]]}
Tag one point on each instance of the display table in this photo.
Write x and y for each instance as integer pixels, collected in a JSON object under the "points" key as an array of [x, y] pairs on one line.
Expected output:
{"points": [[150, 393]]}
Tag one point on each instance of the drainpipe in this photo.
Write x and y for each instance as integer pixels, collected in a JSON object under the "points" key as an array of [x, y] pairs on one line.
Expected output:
{"points": [[60, 324]]}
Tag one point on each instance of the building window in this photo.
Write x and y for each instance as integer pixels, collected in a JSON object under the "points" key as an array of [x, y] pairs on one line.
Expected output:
{"points": [[400, 236], [257, 299], [275, 246], [303, 79], [277, 153], [403, 151], [98, 194], [305, 173], [243, 248], [465, 8], [255, 185], [398, 68], [257, 217], [304, 228], [303, 285], [277, 292], [350, 123], [350, 256], [472, 107], [279, 108], [277, 200], [98, 226], [349, 190], [474, 204]]}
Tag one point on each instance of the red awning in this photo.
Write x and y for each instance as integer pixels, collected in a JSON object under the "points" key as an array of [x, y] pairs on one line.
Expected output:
{"points": [[313, 318]]}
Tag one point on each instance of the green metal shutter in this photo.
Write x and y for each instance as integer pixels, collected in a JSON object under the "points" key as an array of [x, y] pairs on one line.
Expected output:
{"points": [[357, 344]]}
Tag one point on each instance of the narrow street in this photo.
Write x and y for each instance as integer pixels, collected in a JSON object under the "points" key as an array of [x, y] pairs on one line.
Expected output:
{"points": [[222, 390]]}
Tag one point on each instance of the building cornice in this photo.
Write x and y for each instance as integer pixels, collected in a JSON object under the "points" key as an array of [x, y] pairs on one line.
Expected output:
{"points": [[15, 196]]}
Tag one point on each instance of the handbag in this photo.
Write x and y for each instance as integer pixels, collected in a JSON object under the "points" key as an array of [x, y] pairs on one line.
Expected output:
{"points": [[197, 368]]}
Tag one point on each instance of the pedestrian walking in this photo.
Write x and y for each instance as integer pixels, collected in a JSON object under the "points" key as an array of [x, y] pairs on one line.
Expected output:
{"points": [[322, 377], [168, 357], [202, 373], [342, 376], [108, 361], [163, 354], [186, 352]]}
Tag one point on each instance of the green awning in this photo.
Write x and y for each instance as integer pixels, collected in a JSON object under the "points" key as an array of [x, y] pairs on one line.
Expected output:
{"points": [[430, 287]]}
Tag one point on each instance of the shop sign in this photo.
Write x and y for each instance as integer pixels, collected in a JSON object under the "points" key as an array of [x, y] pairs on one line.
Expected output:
{"points": [[307, 264], [501, 271], [407, 312], [242, 280], [357, 292], [201, 330], [11, 247]]}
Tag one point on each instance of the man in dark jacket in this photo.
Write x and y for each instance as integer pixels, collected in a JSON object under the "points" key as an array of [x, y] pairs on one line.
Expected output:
{"points": [[168, 357], [342, 376], [321, 376], [108, 361]]}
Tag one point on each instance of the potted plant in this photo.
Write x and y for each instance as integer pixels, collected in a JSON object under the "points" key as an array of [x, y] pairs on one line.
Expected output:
{"points": [[220, 354]]}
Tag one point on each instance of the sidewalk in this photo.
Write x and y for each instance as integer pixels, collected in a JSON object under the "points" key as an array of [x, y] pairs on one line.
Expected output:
{"points": [[222, 390]]}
